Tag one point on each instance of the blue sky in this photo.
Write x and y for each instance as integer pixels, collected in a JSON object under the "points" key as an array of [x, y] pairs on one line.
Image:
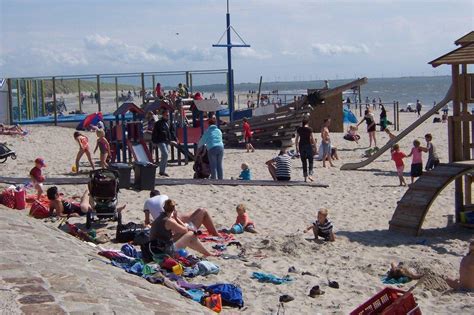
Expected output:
{"points": [[291, 40]]}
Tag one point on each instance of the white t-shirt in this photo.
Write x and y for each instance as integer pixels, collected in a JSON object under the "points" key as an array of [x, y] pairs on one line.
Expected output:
{"points": [[155, 205]]}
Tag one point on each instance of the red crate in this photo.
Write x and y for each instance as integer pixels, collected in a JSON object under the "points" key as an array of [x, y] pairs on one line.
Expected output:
{"points": [[389, 301]]}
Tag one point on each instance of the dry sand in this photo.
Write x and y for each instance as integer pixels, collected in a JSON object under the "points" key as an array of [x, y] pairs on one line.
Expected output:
{"points": [[360, 205]]}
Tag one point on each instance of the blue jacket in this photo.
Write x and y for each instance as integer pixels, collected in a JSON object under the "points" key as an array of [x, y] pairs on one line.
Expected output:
{"points": [[245, 174], [212, 137]]}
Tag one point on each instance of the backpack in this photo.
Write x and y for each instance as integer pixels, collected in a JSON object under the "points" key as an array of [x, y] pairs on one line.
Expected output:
{"points": [[39, 211], [8, 199], [127, 232], [231, 295]]}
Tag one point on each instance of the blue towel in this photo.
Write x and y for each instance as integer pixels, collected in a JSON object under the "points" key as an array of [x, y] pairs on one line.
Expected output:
{"points": [[401, 280], [196, 294], [269, 278]]}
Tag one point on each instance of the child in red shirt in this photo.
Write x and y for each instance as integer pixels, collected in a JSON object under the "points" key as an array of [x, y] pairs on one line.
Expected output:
{"points": [[247, 135], [244, 220], [36, 176], [397, 157]]}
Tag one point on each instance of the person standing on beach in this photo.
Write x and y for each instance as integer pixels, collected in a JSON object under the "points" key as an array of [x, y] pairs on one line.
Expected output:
{"points": [[374, 104], [212, 139], [162, 135], [370, 121], [247, 135], [433, 158], [83, 142], [418, 107], [305, 145], [383, 118], [417, 161], [326, 143]]}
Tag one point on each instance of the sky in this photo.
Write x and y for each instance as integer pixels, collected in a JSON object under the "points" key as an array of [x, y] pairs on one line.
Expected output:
{"points": [[290, 40]]}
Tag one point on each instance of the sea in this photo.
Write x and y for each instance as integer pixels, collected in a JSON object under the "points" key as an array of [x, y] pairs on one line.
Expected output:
{"points": [[405, 90]]}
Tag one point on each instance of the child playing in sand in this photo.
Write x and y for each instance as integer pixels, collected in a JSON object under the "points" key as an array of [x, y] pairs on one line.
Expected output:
{"points": [[397, 157], [37, 177], [245, 174], [103, 146], [244, 220], [416, 162], [322, 226], [83, 148], [352, 134], [247, 135]]}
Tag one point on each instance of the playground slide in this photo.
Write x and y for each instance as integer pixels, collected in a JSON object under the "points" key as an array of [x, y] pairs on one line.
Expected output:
{"points": [[401, 135]]}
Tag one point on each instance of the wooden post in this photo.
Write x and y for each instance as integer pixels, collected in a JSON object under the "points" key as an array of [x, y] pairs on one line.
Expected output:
{"points": [[394, 116], [10, 101], [54, 103], [259, 91], [37, 98], [79, 94], [18, 96], [99, 107], [43, 105], [116, 93], [191, 82], [143, 87], [27, 97], [465, 113], [456, 145], [398, 116], [153, 85]]}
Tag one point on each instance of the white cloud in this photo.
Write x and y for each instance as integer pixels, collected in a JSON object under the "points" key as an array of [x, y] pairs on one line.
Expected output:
{"points": [[335, 49], [62, 57], [251, 53], [193, 53]]}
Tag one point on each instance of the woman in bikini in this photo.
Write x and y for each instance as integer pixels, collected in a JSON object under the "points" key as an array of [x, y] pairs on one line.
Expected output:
{"points": [[83, 148]]}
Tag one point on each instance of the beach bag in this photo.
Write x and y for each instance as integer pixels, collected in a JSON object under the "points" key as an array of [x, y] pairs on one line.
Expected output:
{"points": [[20, 199], [8, 198], [127, 232], [213, 302], [39, 211], [231, 295]]}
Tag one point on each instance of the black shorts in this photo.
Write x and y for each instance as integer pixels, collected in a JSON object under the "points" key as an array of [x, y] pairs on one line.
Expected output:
{"points": [[372, 128], [283, 178], [416, 170]]}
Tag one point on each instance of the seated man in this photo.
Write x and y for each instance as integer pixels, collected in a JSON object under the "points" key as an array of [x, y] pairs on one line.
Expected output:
{"points": [[280, 166], [62, 208], [154, 207], [466, 273]]}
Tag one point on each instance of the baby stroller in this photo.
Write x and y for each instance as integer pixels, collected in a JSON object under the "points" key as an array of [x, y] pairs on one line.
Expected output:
{"points": [[201, 164], [5, 152], [103, 188]]}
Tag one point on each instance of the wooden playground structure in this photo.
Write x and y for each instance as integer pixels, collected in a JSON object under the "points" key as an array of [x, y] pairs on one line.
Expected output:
{"points": [[414, 205]]}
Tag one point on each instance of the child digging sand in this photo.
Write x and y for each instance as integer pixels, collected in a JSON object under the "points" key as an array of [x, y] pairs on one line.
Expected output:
{"points": [[322, 226], [83, 148], [397, 157], [37, 177], [245, 174], [416, 162], [244, 220], [103, 146]]}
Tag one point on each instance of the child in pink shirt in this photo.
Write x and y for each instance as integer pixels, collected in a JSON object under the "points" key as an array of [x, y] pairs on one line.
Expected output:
{"points": [[417, 161], [244, 220]]}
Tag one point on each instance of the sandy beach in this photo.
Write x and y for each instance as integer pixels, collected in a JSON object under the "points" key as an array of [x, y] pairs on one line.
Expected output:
{"points": [[360, 205]]}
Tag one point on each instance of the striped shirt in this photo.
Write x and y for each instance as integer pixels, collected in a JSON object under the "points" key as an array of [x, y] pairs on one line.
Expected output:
{"points": [[324, 228], [283, 165]]}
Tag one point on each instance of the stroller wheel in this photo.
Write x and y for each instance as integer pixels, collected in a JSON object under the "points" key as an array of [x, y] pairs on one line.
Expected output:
{"points": [[13, 156]]}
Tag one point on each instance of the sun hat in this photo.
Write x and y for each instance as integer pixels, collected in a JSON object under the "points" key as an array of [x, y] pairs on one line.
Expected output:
{"points": [[40, 161]]}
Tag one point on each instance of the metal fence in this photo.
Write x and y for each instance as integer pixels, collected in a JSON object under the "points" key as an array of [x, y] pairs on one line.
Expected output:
{"points": [[70, 97]]}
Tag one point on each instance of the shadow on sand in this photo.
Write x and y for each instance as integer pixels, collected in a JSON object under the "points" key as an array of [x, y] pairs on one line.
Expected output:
{"points": [[436, 238]]}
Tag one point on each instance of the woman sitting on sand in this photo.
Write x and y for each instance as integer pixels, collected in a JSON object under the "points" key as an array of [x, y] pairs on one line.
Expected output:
{"points": [[11, 130], [169, 234]]}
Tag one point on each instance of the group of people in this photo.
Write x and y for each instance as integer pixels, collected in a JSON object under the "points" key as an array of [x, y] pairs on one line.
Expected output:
{"points": [[417, 160]]}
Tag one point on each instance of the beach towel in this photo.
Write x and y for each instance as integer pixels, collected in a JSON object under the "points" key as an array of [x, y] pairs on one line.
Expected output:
{"points": [[401, 280], [269, 278], [202, 268], [130, 251], [231, 295], [222, 238], [196, 294]]}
